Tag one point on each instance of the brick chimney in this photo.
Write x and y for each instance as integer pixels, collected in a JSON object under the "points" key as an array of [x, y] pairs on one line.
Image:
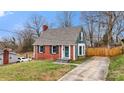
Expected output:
{"points": [[45, 27], [6, 56]]}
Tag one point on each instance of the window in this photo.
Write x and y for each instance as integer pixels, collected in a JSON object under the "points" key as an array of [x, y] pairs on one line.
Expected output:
{"points": [[81, 36], [80, 50], [54, 49], [41, 49], [19, 58]]}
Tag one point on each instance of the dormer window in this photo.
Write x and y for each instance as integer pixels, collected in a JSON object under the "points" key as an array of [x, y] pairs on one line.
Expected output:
{"points": [[81, 36]]}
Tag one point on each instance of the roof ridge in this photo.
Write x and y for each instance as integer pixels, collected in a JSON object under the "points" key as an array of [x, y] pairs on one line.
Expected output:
{"points": [[64, 28]]}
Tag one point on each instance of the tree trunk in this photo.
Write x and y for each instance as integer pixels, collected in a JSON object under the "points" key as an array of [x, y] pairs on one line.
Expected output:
{"points": [[110, 30]]}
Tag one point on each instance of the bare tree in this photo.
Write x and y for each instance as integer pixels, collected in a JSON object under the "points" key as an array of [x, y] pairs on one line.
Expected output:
{"points": [[90, 25], [65, 19], [105, 25], [9, 42], [20, 41], [26, 39], [88, 21], [111, 19], [35, 24], [119, 28]]}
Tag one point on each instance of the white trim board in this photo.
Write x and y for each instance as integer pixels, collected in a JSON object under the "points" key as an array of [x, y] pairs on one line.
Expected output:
{"points": [[73, 52], [83, 52], [63, 51]]}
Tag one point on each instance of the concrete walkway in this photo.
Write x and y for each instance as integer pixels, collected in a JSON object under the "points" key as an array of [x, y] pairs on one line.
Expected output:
{"points": [[93, 69]]}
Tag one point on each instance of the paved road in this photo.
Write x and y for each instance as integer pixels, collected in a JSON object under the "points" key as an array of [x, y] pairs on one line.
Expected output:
{"points": [[93, 69]]}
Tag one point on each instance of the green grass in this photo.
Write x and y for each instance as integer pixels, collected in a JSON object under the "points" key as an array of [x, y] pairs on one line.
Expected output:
{"points": [[116, 69], [80, 60], [35, 70]]}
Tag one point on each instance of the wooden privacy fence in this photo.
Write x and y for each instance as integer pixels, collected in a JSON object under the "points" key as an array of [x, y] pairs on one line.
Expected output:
{"points": [[104, 51]]}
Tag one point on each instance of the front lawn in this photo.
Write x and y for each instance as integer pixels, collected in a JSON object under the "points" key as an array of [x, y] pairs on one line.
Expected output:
{"points": [[35, 70], [116, 68]]}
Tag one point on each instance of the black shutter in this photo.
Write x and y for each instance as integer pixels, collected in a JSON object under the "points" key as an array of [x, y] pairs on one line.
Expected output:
{"points": [[57, 49], [50, 49], [43, 49], [37, 48]]}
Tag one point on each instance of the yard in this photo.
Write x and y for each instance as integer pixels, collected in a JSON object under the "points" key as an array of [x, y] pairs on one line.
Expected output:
{"points": [[116, 69], [34, 70], [80, 60]]}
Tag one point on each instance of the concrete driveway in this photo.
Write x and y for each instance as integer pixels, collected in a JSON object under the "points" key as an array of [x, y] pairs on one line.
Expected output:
{"points": [[94, 69]]}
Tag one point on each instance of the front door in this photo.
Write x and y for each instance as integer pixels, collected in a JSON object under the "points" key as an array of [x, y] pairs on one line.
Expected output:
{"points": [[66, 51]]}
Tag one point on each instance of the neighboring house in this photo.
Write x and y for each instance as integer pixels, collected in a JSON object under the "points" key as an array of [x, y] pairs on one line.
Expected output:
{"points": [[61, 43], [13, 57], [7, 57], [1, 56]]}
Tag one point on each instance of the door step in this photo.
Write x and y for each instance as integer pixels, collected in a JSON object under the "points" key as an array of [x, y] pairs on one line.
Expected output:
{"points": [[63, 60]]}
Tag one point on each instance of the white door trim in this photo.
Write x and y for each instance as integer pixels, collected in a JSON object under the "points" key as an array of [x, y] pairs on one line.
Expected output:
{"points": [[73, 52], [69, 52], [63, 51]]}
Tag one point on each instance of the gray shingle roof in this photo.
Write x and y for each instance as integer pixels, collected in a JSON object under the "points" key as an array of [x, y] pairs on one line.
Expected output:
{"points": [[60, 36]]}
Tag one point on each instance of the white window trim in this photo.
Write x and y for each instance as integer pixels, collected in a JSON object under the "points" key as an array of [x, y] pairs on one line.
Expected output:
{"points": [[39, 50], [83, 52], [52, 50]]}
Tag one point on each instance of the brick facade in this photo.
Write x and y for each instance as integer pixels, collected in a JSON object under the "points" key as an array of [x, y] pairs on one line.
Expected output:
{"points": [[48, 55]]}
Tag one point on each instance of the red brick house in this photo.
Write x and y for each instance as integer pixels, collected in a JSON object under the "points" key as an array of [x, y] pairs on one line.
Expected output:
{"points": [[61, 43]]}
